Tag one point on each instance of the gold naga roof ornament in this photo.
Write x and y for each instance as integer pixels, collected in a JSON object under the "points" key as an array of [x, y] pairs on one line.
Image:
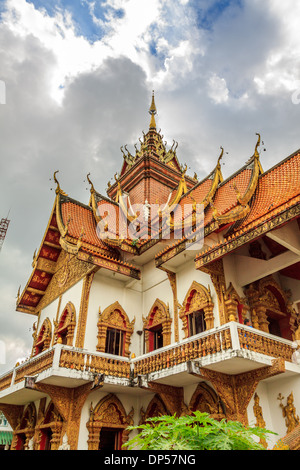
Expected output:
{"points": [[242, 208], [58, 188], [217, 179], [257, 171], [92, 201], [63, 228]]}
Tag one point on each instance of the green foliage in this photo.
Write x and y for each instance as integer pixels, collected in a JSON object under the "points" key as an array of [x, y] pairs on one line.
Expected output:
{"points": [[195, 432]]}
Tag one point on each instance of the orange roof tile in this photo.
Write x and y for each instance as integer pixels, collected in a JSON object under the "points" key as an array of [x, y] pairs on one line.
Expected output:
{"points": [[81, 218], [275, 187]]}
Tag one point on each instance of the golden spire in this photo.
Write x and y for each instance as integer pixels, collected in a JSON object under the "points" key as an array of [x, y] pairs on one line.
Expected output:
{"points": [[152, 111]]}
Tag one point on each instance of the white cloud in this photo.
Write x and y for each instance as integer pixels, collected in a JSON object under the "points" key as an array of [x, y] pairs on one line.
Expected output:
{"points": [[218, 90]]}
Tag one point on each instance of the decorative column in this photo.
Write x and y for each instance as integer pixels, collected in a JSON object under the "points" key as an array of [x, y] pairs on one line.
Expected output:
{"points": [[262, 318], [69, 403], [209, 316], [216, 272], [236, 391], [87, 284], [56, 428]]}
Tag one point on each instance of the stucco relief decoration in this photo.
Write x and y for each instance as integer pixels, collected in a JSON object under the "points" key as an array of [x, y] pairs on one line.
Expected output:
{"points": [[159, 315], [114, 316], [197, 298], [260, 422], [289, 412], [108, 413], [65, 326]]}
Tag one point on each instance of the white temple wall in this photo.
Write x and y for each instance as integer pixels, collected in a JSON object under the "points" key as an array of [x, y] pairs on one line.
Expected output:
{"points": [[268, 392], [51, 311], [230, 275]]}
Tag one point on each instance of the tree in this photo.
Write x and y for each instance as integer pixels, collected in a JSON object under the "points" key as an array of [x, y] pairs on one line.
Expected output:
{"points": [[195, 432]]}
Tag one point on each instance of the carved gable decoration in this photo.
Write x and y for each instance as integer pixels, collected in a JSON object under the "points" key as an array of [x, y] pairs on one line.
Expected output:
{"points": [[115, 316]]}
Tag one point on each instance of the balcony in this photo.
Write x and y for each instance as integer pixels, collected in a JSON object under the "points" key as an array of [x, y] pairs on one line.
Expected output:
{"points": [[230, 349]]}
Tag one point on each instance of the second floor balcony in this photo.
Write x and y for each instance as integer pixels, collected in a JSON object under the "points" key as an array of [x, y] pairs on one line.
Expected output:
{"points": [[230, 349]]}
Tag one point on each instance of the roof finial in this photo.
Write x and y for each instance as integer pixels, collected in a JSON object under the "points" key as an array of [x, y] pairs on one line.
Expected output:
{"points": [[257, 145], [152, 111]]}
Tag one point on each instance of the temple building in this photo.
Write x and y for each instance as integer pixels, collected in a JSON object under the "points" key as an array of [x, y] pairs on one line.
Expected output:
{"points": [[139, 300]]}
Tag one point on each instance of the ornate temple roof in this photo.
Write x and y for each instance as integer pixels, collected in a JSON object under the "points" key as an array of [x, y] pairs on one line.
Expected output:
{"points": [[240, 209]]}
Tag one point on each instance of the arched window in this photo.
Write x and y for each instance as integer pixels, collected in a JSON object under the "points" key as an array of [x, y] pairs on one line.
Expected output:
{"points": [[114, 331], [50, 429], [196, 322], [270, 309], [196, 312], [25, 429], [64, 328], [108, 424], [155, 408], [43, 338], [206, 400], [157, 327]]}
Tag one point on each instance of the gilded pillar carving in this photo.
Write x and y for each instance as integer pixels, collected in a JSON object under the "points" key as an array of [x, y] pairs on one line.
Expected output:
{"points": [[236, 391], [13, 413], [87, 284], [173, 282], [216, 273], [68, 402]]}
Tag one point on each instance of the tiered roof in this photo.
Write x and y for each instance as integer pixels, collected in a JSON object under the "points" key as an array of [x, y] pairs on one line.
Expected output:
{"points": [[238, 209]]}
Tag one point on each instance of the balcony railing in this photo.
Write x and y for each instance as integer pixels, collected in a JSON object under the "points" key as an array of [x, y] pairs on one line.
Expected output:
{"points": [[230, 337]]}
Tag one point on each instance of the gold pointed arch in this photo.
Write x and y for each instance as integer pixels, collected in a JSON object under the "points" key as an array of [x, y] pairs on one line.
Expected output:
{"points": [[197, 298], [114, 316], [108, 413], [159, 314]]}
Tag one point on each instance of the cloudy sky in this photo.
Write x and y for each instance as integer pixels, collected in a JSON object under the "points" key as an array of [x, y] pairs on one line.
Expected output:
{"points": [[76, 83]]}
